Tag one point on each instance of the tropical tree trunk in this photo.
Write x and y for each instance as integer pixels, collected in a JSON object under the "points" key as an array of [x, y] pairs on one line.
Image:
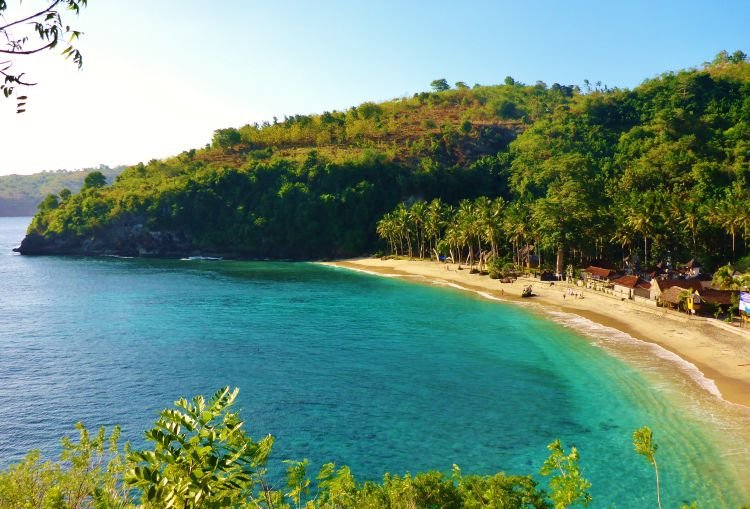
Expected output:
{"points": [[560, 264]]}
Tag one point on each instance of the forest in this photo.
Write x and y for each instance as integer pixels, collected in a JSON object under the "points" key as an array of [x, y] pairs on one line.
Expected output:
{"points": [[587, 173]]}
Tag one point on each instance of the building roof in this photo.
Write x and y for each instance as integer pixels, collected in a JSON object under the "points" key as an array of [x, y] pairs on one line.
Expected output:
{"points": [[720, 297], [673, 294], [599, 272], [664, 284], [631, 282]]}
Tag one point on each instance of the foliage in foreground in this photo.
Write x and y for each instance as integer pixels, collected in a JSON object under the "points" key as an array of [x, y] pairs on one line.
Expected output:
{"points": [[201, 457]]}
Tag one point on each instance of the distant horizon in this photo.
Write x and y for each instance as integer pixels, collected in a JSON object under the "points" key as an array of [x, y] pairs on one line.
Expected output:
{"points": [[190, 70]]}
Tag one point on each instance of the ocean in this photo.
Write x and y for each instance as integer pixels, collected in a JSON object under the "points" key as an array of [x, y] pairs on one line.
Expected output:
{"points": [[376, 373]]}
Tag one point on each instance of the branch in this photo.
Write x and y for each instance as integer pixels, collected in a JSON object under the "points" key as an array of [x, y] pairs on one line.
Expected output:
{"points": [[16, 79], [48, 9], [51, 44]]}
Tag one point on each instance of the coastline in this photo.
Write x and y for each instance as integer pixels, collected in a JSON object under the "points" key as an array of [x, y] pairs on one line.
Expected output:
{"points": [[721, 355]]}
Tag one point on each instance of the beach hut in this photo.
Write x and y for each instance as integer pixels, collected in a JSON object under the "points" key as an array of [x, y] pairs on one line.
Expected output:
{"points": [[659, 286], [719, 298], [673, 296]]}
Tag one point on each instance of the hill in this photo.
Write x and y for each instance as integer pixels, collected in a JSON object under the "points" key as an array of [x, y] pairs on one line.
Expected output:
{"points": [[581, 174], [20, 194]]}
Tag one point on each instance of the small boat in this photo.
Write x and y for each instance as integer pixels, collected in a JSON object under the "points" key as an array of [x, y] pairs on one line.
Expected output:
{"points": [[194, 258], [527, 292]]}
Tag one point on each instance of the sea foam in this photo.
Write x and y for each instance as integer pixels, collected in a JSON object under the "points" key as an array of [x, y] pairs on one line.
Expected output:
{"points": [[604, 335]]}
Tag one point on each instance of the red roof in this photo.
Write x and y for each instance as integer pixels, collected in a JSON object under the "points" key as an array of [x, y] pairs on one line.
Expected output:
{"points": [[627, 281], [599, 272]]}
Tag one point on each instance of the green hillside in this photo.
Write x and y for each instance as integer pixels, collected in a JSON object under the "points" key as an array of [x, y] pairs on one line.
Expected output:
{"points": [[588, 174], [20, 194]]}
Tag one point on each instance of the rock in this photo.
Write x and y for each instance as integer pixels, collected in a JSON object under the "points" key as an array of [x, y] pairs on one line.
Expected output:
{"points": [[125, 238]]}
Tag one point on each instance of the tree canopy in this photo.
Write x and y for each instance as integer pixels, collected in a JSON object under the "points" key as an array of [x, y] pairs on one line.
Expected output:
{"points": [[657, 173], [199, 455]]}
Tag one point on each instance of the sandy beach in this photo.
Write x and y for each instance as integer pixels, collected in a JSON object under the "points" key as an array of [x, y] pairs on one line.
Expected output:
{"points": [[719, 351]]}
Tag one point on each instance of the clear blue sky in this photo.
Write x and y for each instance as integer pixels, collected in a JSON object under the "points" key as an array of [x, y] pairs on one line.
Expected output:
{"points": [[161, 75]]}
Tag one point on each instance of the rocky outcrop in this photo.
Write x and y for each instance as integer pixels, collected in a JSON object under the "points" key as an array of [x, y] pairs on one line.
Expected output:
{"points": [[121, 240]]}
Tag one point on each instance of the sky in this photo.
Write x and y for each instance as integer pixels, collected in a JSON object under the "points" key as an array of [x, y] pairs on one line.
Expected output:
{"points": [[160, 76]]}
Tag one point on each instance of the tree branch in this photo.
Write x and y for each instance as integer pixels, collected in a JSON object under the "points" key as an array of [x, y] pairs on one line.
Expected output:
{"points": [[16, 79], [48, 9], [30, 52]]}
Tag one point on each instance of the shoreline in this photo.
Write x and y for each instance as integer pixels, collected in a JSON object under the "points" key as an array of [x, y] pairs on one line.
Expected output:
{"points": [[720, 354]]}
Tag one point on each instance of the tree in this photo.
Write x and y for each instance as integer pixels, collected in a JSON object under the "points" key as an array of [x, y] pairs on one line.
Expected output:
{"points": [[226, 138], [567, 485], [440, 85], [88, 476], [31, 33], [461, 85], [202, 457], [50, 202], [731, 213], [724, 278], [643, 441], [94, 180]]}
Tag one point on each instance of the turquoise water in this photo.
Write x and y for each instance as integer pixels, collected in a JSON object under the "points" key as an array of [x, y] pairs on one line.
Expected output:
{"points": [[380, 374]]}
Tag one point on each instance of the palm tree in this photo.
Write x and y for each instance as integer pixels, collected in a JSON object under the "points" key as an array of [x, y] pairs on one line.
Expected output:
{"points": [[488, 218], [386, 230], [641, 216], [465, 228], [687, 212], [417, 218], [434, 223], [731, 213], [516, 223], [403, 227]]}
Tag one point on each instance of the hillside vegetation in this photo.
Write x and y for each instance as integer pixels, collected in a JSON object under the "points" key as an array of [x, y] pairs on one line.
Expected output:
{"points": [[588, 174], [20, 194]]}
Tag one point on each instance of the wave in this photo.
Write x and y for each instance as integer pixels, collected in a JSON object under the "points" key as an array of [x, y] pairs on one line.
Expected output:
{"points": [[604, 334], [363, 271]]}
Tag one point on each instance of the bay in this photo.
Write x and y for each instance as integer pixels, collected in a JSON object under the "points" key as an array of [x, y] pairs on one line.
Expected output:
{"points": [[376, 373]]}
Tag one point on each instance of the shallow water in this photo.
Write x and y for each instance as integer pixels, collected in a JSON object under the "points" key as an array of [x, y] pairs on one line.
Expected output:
{"points": [[376, 373]]}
